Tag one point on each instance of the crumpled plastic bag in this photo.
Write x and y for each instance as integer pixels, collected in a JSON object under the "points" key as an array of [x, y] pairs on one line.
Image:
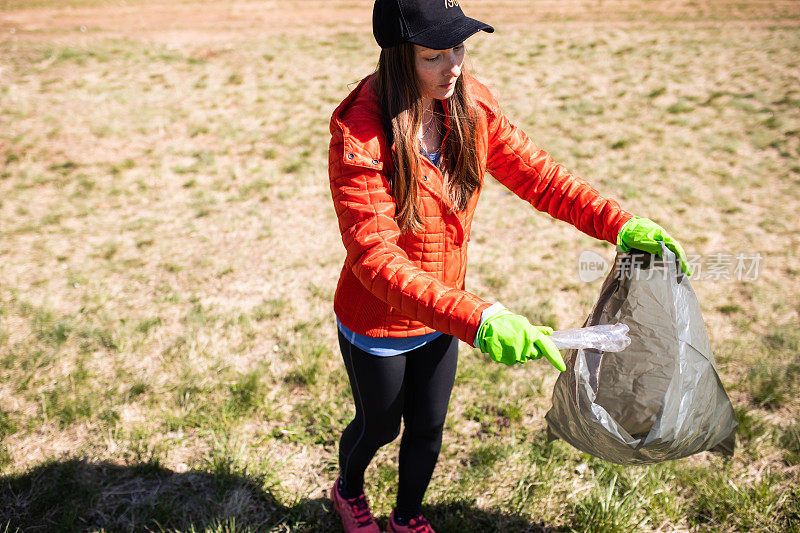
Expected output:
{"points": [[604, 337], [661, 397]]}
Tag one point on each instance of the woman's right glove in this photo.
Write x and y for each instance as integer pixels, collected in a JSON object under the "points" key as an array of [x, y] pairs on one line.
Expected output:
{"points": [[511, 339]]}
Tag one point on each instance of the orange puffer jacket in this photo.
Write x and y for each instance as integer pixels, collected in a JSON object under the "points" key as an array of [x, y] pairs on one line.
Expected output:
{"points": [[397, 284]]}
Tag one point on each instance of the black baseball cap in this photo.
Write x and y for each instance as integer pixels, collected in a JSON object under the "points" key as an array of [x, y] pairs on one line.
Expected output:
{"points": [[437, 24]]}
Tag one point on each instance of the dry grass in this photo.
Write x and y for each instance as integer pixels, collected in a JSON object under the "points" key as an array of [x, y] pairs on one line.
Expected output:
{"points": [[169, 254]]}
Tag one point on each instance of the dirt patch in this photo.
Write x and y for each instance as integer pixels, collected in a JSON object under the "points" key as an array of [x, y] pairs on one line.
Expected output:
{"points": [[187, 23]]}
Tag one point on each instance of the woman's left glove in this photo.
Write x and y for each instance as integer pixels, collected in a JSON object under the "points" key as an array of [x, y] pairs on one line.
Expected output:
{"points": [[644, 234], [511, 339]]}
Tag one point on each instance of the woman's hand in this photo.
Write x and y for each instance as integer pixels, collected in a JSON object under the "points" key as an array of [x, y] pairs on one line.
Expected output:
{"points": [[511, 339], [644, 234]]}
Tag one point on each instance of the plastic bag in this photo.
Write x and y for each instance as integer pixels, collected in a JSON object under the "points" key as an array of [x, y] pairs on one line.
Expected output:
{"points": [[604, 337], [660, 398]]}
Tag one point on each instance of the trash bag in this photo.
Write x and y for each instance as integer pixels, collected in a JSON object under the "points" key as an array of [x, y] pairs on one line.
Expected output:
{"points": [[661, 397]]}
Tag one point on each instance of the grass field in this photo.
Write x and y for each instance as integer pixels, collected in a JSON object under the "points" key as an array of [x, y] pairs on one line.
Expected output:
{"points": [[169, 252]]}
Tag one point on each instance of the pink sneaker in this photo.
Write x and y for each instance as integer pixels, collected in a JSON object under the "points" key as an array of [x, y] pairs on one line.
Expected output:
{"points": [[355, 513], [418, 524]]}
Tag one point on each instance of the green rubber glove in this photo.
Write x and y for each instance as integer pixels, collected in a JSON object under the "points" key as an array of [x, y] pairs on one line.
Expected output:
{"points": [[511, 339], [644, 234]]}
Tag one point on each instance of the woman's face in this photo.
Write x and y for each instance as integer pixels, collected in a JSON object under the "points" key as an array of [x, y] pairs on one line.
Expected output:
{"points": [[438, 70]]}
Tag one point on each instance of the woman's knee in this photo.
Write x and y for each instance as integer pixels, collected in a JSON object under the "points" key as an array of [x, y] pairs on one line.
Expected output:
{"points": [[385, 434], [431, 431]]}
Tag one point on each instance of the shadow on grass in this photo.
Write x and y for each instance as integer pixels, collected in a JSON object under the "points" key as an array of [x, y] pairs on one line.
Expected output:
{"points": [[459, 516], [77, 495]]}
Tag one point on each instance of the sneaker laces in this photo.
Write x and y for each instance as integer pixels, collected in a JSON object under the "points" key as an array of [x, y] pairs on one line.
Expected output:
{"points": [[418, 524], [361, 512]]}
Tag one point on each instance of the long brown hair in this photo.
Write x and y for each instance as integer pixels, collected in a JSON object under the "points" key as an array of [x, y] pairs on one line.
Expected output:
{"points": [[401, 107]]}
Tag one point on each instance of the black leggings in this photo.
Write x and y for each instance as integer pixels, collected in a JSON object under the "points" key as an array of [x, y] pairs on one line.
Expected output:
{"points": [[415, 385]]}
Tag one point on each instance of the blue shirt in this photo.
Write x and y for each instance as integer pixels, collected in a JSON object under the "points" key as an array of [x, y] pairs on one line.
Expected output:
{"points": [[434, 157], [386, 346]]}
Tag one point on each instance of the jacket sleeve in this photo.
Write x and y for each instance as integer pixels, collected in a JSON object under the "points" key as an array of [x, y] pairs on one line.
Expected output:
{"points": [[530, 173], [365, 210]]}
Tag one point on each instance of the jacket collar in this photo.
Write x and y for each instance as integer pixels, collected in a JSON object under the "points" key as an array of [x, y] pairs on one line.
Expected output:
{"points": [[358, 118], [364, 94]]}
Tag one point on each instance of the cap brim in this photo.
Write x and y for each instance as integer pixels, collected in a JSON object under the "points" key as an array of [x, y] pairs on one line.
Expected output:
{"points": [[450, 34]]}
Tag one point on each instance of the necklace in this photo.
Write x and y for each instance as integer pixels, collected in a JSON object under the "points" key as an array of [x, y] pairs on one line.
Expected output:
{"points": [[435, 138], [431, 129]]}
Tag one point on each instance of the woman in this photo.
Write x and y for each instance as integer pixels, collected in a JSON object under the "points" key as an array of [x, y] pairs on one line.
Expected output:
{"points": [[409, 149]]}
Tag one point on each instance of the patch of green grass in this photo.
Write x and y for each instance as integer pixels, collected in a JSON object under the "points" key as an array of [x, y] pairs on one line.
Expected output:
{"points": [[7, 424], [197, 129], [117, 169], [383, 484], [69, 403], [717, 498], [257, 188], [322, 293], [204, 157], [225, 271], [5, 456], [217, 404], [494, 419], [197, 409], [103, 336], [308, 364], [235, 79], [199, 315], [110, 417], [744, 103], [292, 166], [51, 219], [315, 423], [772, 383], [543, 461], [790, 442], [171, 267], [136, 390], [729, 309], [477, 369], [582, 108], [681, 106], [763, 138], [751, 426], [630, 190], [619, 145], [496, 281], [484, 456], [65, 168], [540, 313], [144, 326], [108, 250], [783, 339], [50, 329], [247, 393], [607, 508]]}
